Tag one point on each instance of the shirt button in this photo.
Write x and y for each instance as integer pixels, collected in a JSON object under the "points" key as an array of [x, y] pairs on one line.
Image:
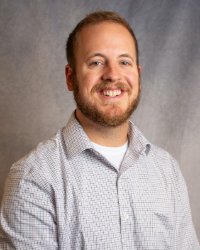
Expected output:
{"points": [[124, 216]]}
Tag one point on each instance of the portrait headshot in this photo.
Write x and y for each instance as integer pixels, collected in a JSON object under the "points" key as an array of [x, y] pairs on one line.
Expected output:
{"points": [[100, 132]]}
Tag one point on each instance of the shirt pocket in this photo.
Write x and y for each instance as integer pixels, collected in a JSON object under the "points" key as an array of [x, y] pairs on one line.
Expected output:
{"points": [[155, 224]]}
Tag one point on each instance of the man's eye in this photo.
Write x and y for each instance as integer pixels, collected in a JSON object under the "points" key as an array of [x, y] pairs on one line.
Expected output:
{"points": [[125, 63], [95, 63]]}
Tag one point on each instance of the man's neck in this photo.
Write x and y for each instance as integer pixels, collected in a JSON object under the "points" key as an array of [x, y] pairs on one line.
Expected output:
{"points": [[102, 135]]}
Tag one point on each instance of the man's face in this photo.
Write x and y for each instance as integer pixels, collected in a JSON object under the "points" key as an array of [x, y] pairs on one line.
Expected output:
{"points": [[106, 82]]}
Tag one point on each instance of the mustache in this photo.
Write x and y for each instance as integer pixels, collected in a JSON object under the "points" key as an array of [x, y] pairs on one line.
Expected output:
{"points": [[107, 85]]}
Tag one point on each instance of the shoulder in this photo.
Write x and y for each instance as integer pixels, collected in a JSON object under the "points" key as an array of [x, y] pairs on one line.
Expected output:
{"points": [[166, 164], [41, 163], [161, 154]]}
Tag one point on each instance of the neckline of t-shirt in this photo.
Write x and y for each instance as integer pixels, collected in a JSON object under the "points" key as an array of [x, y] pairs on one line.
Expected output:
{"points": [[119, 148]]}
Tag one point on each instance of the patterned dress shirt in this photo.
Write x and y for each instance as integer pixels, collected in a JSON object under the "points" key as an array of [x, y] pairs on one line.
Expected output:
{"points": [[64, 195]]}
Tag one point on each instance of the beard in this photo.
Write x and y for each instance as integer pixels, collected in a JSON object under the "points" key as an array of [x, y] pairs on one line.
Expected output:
{"points": [[91, 111]]}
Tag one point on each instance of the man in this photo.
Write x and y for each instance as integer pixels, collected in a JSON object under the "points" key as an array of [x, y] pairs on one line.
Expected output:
{"points": [[98, 184]]}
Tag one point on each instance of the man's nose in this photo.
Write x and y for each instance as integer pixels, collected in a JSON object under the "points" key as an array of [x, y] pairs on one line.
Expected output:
{"points": [[111, 73]]}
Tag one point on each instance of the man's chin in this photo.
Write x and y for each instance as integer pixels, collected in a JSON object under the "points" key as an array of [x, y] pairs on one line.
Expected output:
{"points": [[107, 116], [106, 120]]}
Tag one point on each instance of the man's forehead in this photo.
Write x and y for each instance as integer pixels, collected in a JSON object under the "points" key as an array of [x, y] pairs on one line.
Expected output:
{"points": [[106, 24], [104, 28], [105, 35]]}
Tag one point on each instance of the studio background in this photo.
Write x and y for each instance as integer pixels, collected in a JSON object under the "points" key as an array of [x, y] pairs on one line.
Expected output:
{"points": [[35, 103]]}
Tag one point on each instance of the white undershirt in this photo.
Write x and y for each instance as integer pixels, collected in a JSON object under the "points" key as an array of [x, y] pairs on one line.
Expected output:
{"points": [[114, 155]]}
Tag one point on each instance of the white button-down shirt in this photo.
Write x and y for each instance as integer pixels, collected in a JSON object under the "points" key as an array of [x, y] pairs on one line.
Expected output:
{"points": [[65, 195]]}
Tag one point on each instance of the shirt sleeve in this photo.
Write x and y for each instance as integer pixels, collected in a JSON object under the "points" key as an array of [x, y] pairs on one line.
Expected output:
{"points": [[185, 235], [27, 216]]}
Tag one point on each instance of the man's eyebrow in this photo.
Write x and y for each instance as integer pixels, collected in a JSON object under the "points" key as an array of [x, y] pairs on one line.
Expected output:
{"points": [[104, 56], [127, 55], [96, 54]]}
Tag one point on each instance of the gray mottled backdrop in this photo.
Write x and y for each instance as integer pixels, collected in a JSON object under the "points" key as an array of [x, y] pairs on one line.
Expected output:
{"points": [[34, 101]]}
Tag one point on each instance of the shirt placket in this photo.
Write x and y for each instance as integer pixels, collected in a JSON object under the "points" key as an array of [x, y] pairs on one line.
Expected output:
{"points": [[126, 219]]}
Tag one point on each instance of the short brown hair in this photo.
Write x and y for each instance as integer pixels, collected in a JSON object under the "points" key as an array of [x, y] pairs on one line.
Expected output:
{"points": [[94, 18]]}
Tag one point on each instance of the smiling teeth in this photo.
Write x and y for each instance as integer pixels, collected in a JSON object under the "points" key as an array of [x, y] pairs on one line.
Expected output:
{"points": [[112, 92]]}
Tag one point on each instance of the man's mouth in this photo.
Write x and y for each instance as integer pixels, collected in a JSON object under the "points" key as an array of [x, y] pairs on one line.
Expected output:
{"points": [[111, 93]]}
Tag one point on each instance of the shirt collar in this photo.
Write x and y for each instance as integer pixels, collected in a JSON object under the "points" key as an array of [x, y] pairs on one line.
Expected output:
{"points": [[137, 142], [76, 140]]}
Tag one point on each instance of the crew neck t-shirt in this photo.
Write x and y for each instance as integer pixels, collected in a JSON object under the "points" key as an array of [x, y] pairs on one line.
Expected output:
{"points": [[114, 155]]}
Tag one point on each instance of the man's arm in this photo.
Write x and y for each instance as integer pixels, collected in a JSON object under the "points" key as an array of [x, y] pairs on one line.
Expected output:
{"points": [[27, 216], [185, 236]]}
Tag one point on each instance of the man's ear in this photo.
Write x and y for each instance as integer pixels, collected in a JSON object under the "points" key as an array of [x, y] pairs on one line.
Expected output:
{"points": [[139, 69], [69, 77]]}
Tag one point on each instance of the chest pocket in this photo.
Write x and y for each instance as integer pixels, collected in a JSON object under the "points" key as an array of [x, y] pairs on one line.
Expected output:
{"points": [[154, 225]]}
